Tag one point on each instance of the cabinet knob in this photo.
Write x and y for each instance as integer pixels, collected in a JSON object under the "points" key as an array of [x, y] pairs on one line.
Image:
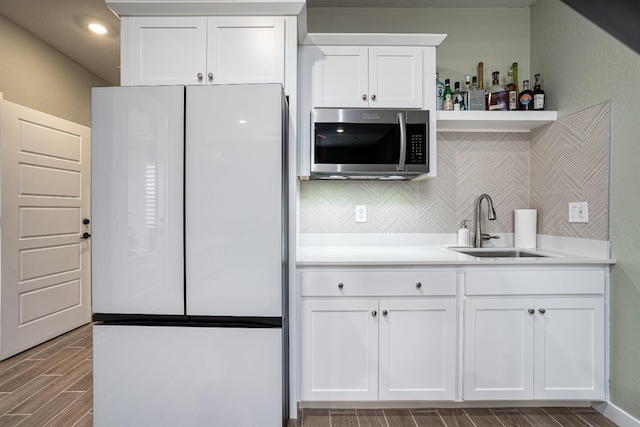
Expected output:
{"points": [[210, 76], [199, 76], [385, 312], [374, 313], [373, 97], [418, 285], [542, 311], [531, 311], [364, 97], [340, 285], [86, 221]]}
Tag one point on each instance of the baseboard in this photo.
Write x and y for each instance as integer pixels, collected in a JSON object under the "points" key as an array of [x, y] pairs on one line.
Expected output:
{"points": [[617, 415]]}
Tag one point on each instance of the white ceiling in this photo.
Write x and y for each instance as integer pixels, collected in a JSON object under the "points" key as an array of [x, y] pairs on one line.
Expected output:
{"points": [[62, 24]]}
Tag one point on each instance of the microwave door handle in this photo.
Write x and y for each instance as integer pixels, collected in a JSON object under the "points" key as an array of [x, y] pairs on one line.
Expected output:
{"points": [[403, 142]]}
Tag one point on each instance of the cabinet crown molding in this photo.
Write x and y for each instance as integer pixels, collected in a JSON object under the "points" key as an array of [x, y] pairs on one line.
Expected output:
{"points": [[372, 39], [206, 7]]}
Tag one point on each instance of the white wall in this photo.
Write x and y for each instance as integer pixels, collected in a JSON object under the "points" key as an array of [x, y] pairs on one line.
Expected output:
{"points": [[497, 37], [35, 75]]}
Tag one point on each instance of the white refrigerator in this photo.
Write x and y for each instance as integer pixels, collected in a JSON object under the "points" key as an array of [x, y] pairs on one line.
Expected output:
{"points": [[189, 256]]}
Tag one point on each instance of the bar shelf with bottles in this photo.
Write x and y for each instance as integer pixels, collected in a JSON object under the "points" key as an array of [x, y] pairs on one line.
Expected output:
{"points": [[493, 121], [499, 109]]}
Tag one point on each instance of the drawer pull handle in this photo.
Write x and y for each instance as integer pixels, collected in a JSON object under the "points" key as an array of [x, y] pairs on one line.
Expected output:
{"points": [[340, 285], [531, 311], [385, 312], [418, 285], [542, 311], [374, 313]]}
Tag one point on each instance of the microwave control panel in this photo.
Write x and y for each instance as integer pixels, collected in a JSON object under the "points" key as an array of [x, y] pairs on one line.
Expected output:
{"points": [[417, 146]]}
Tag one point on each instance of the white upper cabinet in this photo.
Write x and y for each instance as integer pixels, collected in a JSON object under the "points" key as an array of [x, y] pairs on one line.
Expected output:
{"points": [[245, 49], [368, 77], [395, 77], [202, 50]]}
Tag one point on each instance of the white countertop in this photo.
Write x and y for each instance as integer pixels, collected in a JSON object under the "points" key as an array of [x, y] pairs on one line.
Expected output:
{"points": [[427, 256], [394, 254]]}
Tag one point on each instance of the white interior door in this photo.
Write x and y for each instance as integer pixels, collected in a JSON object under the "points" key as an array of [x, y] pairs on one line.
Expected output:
{"points": [[46, 266]]}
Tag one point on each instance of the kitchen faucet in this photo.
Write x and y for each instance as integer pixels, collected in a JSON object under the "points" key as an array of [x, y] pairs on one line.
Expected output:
{"points": [[492, 215]]}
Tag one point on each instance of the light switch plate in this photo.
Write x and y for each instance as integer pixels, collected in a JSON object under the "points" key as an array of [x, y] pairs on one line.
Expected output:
{"points": [[579, 212], [361, 213]]}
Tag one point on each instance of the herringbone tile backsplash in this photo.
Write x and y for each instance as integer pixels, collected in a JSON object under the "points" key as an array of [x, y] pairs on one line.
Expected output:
{"points": [[545, 169], [570, 163]]}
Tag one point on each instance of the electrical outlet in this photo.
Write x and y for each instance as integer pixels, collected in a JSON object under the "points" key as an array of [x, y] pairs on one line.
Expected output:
{"points": [[579, 212], [361, 213]]}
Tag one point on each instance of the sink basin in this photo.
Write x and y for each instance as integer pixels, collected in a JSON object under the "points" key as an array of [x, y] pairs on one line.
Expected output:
{"points": [[499, 253]]}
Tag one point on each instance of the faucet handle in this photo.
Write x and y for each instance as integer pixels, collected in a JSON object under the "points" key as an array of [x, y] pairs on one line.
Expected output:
{"points": [[486, 236]]}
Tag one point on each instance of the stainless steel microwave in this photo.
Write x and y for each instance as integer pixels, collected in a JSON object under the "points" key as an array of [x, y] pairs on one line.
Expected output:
{"points": [[369, 144]]}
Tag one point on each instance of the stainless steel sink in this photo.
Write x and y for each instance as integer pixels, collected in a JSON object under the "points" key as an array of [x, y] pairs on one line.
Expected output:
{"points": [[498, 253]]}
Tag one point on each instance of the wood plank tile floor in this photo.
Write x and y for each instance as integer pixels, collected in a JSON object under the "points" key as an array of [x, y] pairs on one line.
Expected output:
{"points": [[49, 385], [467, 417], [52, 385]]}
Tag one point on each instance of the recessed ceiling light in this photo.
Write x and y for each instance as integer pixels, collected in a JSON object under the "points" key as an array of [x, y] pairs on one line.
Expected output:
{"points": [[97, 28]]}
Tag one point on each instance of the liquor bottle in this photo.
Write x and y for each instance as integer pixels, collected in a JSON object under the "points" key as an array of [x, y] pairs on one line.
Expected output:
{"points": [[458, 99], [475, 98], [447, 97], [513, 92], [514, 69], [525, 98], [467, 88], [538, 95], [439, 92], [497, 95], [481, 75]]}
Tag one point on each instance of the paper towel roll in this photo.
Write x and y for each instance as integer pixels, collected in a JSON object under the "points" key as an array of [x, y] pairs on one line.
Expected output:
{"points": [[524, 228]]}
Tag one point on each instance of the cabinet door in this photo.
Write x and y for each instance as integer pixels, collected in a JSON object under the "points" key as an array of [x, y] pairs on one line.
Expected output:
{"points": [[245, 49], [569, 348], [395, 77], [417, 349], [498, 349], [340, 77], [339, 350], [164, 51]]}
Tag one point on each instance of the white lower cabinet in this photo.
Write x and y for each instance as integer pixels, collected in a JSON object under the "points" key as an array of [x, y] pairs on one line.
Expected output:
{"points": [[339, 350], [381, 334], [398, 348], [534, 347], [416, 349]]}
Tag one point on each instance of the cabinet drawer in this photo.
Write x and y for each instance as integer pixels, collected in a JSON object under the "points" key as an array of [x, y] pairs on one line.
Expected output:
{"points": [[378, 283], [534, 281]]}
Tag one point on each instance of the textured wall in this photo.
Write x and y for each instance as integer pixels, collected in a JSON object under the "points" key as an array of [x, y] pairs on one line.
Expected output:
{"points": [[582, 66], [35, 75], [469, 164], [570, 163]]}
